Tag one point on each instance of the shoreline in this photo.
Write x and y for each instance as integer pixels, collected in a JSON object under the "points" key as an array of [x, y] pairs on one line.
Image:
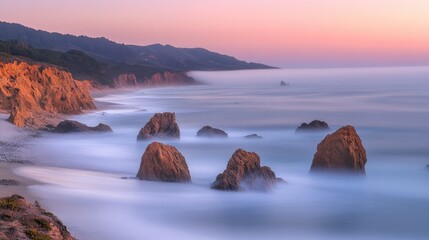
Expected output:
{"points": [[13, 154], [12, 148]]}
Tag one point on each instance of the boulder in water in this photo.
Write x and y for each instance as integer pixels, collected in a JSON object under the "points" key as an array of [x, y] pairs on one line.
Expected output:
{"points": [[208, 131], [69, 126], [161, 125], [253, 136], [315, 125], [162, 162], [244, 172], [340, 151]]}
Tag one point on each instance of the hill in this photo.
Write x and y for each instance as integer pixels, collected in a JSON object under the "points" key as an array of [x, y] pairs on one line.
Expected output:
{"points": [[166, 57]]}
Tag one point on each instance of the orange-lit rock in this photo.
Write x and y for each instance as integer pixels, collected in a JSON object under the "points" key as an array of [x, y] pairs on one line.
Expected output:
{"points": [[34, 93], [162, 162], [340, 151], [244, 172]]}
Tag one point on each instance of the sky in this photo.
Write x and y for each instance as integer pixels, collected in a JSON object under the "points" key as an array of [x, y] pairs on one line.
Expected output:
{"points": [[282, 33]]}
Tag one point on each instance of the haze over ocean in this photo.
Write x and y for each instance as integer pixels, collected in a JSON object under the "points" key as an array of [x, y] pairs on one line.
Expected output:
{"points": [[388, 107]]}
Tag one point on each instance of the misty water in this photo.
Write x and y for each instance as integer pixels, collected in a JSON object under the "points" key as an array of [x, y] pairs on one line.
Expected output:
{"points": [[81, 175]]}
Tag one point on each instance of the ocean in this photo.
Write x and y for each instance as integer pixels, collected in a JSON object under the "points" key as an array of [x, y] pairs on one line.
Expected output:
{"points": [[88, 180]]}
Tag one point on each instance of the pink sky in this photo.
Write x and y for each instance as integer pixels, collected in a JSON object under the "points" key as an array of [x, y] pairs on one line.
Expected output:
{"points": [[285, 33]]}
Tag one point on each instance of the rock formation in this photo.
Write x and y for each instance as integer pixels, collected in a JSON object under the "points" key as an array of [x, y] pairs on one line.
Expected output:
{"points": [[253, 136], [69, 126], [315, 125], [22, 220], [161, 125], [126, 81], [34, 93], [244, 172], [168, 79], [161, 162], [284, 84], [340, 151], [208, 131]]}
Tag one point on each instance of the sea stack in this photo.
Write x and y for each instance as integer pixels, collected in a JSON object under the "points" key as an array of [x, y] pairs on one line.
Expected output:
{"points": [[315, 125], [162, 162], [340, 151], [161, 125], [208, 131], [244, 172]]}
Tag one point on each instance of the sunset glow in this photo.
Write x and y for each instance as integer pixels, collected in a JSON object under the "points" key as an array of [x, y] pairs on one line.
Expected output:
{"points": [[285, 33]]}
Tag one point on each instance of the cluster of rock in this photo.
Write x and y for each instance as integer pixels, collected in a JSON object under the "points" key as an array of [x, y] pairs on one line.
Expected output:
{"points": [[342, 150], [162, 162], [35, 93], [20, 219], [315, 125]]}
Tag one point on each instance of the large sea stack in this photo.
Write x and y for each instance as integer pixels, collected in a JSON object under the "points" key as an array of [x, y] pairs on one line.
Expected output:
{"points": [[161, 125], [340, 151], [244, 172], [162, 162]]}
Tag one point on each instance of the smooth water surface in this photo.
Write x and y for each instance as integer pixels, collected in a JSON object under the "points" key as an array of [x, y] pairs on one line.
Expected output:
{"points": [[388, 106]]}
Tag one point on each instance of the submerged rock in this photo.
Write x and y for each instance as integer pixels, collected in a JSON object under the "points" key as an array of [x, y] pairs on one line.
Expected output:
{"points": [[8, 182], [162, 162], [69, 126], [253, 136], [161, 125], [208, 131], [284, 84], [340, 151], [244, 172], [20, 219], [315, 125]]}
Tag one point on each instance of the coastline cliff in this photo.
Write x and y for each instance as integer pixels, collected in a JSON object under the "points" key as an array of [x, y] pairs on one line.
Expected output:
{"points": [[34, 94]]}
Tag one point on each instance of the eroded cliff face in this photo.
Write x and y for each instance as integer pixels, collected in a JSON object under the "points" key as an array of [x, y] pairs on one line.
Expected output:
{"points": [[168, 79], [126, 81], [34, 93]]}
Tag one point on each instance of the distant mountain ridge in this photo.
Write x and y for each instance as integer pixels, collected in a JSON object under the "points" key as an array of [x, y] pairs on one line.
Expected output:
{"points": [[159, 56]]}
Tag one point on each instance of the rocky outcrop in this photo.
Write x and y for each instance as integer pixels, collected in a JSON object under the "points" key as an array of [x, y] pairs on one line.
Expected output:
{"points": [[208, 131], [284, 84], [69, 126], [126, 81], [244, 172], [168, 79], [340, 151], [253, 136], [315, 125], [22, 220], [161, 162], [161, 125], [34, 93]]}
